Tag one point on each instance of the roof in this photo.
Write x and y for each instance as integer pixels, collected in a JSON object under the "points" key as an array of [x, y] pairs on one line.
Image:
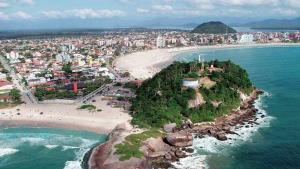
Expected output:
{"points": [[4, 83]]}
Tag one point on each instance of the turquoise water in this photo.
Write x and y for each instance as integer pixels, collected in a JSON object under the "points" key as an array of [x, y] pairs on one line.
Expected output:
{"points": [[275, 142], [41, 148]]}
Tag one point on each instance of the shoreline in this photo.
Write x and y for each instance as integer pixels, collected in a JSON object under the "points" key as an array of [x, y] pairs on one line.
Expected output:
{"points": [[145, 64], [240, 134], [65, 117], [52, 125]]}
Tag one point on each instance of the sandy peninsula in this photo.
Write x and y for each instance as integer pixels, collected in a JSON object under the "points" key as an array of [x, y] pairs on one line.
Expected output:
{"points": [[65, 116], [145, 64]]}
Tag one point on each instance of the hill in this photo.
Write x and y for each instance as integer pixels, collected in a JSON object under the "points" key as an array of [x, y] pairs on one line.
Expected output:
{"points": [[213, 28], [163, 100], [292, 24]]}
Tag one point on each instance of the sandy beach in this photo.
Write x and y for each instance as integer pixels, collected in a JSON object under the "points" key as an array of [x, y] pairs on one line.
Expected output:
{"points": [[65, 116], [143, 65]]}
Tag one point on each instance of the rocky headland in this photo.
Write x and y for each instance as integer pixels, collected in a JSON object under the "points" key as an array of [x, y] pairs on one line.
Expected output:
{"points": [[176, 142]]}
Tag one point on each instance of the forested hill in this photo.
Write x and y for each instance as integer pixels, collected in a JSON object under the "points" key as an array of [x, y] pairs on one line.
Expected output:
{"points": [[162, 99], [213, 28]]}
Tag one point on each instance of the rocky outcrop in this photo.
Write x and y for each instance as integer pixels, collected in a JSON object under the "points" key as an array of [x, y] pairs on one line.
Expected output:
{"points": [[103, 157], [198, 101], [169, 128], [180, 139], [159, 152], [155, 147], [222, 125]]}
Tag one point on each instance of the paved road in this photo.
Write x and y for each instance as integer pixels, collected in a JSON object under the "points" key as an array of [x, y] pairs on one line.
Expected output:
{"points": [[27, 96]]}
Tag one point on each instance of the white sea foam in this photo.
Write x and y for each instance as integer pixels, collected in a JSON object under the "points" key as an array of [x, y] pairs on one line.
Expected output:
{"points": [[49, 146], [210, 145], [194, 161], [68, 148], [7, 151], [73, 165], [33, 140], [80, 152]]}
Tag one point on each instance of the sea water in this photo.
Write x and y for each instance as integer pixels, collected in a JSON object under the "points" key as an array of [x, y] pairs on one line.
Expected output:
{"points": [[43, 148], [275, 142]]}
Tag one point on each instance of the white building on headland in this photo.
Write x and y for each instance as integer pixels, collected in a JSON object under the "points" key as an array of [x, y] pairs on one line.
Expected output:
{"points": [[246, 39], [160, 42], [190, 83]]}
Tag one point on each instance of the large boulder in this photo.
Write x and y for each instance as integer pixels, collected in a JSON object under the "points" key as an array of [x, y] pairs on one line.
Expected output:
{"points": [[180, 154], [221, 136], [155, 147], [180, 139], [169, 128]]}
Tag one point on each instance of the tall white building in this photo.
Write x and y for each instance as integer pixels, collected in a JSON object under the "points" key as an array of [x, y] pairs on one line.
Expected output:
{"points": [[246, 39], [63, 58], [139, 43], [12, 55], [160, 42]]}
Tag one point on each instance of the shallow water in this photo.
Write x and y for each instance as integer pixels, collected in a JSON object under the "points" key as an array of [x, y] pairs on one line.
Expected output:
{"points": [[274, 144], [42, 148]]}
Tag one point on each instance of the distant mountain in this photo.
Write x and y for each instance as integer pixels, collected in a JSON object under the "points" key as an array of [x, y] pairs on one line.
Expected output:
{"points": [[293, 24], [213, 28], [189, 25]]}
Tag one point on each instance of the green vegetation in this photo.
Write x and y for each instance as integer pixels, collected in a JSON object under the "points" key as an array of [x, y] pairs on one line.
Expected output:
{"points": [[67, 68], [43, 93], [162, 100], [132, 144], [15, 94], [4, 105], [87, 107], [213, 28], [92, 86], [46, 92]]}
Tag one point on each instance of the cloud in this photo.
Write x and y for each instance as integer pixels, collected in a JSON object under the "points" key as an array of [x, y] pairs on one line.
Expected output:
{"points": [[127, 1], [285, 12], [3, 16], [250, 2], [142, 10], [28, 2], [15, 15], [293, 3], [53, 14], [84, 13], [162, 8], [3, 4], [21, 15], [91, 13]]}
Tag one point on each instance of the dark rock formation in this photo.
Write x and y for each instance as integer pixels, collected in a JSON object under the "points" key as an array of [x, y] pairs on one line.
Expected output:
{"points": [[169, 128], [155, 147], [180, 139]]}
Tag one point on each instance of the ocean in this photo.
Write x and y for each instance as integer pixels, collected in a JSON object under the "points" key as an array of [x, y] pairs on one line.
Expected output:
{"points": [[272, 144], [275, 142], [43, 148]]}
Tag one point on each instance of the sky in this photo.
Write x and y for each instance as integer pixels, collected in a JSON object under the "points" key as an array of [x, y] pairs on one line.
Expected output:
{"points": [[18, 14]]}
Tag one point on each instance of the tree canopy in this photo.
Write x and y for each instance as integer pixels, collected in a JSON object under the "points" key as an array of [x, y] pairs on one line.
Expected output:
{"points": [[162, 99], [213, 28], [15, 95]]}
